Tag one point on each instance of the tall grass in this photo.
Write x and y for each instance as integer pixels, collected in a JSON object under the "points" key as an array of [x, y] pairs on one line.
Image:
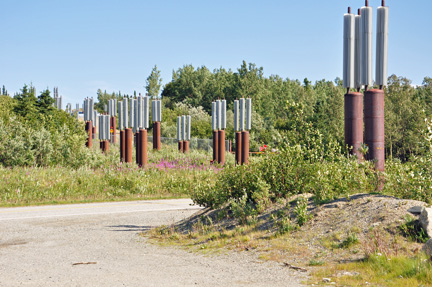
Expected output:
{"points": [[169, 174]]}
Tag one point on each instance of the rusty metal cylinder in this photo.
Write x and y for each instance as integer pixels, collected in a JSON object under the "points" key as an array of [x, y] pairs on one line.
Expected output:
{"points": [[238, 147], [93, 132], [221, 147], [374, 127], [122, 146], [354, 122], [215, 146], [245, 147], [128, 145], [89, 130], [157, 135], [114, 128], [142, 162], [137, 148], [186, 146], [180, 146], [106, 146], [101, 145]]}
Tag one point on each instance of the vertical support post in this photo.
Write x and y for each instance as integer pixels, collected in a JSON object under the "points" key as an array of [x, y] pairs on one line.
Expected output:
{"points": [[238, 147], [89, 129], [185, 146], [122, 146], [158, 136], [93, 131], [128, 146], [106, 146], [114, 127], [354, 122], [137, 148], [143, 148], [221, 148], [374, 127], [180, 146], [245, 147], [215, 146]]}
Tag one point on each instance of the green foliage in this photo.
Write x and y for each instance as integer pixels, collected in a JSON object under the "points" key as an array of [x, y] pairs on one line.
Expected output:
{"points": [[33, 133], [349, 241], [153, 83], [412, 229], [301, 212]]}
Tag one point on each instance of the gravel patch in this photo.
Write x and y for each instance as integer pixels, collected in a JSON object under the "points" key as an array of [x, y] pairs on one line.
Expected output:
{"points": [[107, 250]]}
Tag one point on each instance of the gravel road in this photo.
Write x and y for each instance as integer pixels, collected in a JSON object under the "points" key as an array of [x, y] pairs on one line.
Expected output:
{"points": [[98, 245]]}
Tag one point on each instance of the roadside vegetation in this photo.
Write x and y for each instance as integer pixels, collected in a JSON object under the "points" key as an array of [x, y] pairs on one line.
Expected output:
{"points": [[291, 201]]}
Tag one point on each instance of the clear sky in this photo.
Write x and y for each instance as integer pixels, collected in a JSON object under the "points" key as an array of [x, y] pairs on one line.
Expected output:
{"points": [[81, 46]]}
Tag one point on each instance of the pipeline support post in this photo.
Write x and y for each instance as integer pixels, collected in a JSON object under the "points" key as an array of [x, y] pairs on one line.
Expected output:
{"points": [[128, 145], [185, 146], [221, 147], [353, 107], [142, 162], [238, 147], [245, 147], [374, 127], [180, 146], [122, 146], [215, 146], [89, 129]]}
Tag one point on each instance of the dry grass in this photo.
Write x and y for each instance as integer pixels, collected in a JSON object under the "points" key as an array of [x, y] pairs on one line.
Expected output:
{"points": [[335, 240]]}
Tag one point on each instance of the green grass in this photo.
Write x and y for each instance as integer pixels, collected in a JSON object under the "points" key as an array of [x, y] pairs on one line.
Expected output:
{"points": [[168, 175], [380, 270]]}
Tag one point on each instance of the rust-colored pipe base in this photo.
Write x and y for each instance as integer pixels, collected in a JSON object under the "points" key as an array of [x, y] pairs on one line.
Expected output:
{"points": [[180, 146], [122, 146], [106, 146], [215, 146], [113, 124], [142, 162], [157, 136], [245, 147], [137, 148], [186, 147], [354, 123], [374, 127], [128, 145], [93, 132], [221, 148], [101, 145], [89, 130], [238, 147]]}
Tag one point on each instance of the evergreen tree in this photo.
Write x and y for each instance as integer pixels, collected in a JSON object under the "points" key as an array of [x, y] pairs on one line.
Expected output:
{"points": [[26, 103], [154, 83], [45, 102]]}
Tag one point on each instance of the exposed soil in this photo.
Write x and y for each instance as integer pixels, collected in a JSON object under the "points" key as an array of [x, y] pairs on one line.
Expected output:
{"points": [[374, 220]]}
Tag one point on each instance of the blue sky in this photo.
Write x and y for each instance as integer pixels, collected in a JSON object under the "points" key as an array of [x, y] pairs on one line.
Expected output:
{"points": [[81, 46]]}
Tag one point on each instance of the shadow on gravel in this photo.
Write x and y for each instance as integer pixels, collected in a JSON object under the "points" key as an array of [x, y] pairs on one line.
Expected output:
{"points": [[133, 228]]}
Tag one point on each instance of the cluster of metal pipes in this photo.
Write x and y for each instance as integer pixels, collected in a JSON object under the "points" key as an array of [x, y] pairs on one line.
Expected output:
{"points": [[58, 101], [357, 73], [133, 124], [242, 116], [183, 133], [218, 127]]}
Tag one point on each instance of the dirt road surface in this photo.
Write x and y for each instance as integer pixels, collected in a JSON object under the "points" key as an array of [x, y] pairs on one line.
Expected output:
{"points": [[99, 245]]}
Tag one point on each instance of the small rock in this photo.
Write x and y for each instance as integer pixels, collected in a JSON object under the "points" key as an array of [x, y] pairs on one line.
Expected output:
{"points": [[327, 280], [416, 210], [346, 273], [376, 224], [427, 248], [426, 220]]}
